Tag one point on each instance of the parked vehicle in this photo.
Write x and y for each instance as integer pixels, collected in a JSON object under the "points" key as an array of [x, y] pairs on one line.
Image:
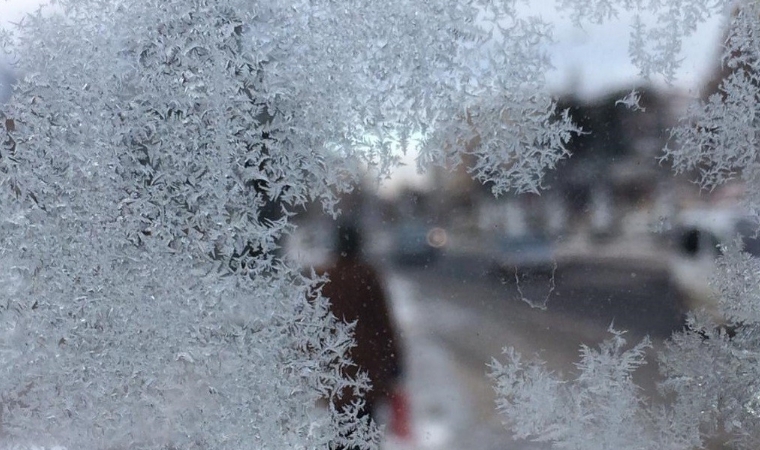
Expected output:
{"points": [[697, 238], [526, 253], [418, 243]]}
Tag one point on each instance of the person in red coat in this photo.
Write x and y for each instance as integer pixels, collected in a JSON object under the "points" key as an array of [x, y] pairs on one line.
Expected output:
{"points": [[356, 294]]}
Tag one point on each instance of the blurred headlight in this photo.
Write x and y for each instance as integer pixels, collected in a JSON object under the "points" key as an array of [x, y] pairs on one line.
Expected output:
{"points": [[436, 237]]}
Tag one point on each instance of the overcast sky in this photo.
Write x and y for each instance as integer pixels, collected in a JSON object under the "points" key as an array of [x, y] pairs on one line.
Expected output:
{"points": [[13, 10], [595, 59]]}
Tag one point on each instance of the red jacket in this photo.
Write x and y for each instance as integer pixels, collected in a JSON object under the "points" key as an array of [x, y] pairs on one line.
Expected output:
{"points": [[356, 294]]}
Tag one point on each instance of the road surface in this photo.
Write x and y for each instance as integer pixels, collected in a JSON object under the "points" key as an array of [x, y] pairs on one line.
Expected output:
{"points": [[456, 316]]}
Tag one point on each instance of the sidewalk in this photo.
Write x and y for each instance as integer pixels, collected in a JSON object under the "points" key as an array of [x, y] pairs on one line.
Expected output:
{"points": [[440, 407], [451, 400]]}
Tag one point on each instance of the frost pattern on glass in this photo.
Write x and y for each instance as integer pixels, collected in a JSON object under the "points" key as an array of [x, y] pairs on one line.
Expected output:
{"points": [[600, 408], [154, 155], [158, 149], [717, 137], [710, 370], [714, 371]]}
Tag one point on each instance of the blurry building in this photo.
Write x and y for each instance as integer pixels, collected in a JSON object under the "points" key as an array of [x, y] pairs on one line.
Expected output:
{"points": [[613, 183], [614, 171]]}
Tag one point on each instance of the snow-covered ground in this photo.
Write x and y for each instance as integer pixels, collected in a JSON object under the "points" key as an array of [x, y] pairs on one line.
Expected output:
{"points": [[451, 402], [439, 404]]}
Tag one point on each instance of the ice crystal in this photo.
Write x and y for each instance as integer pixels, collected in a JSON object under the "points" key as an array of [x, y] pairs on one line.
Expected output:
{"points": [[600, 408], [710, 369], [153, 154]]}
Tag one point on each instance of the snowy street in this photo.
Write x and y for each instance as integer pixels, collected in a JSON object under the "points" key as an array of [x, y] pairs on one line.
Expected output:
{"points": [[455, 317], [451, 400]]}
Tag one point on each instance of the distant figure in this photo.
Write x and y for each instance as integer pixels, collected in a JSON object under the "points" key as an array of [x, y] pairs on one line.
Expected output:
{"points": [[356, 294]]}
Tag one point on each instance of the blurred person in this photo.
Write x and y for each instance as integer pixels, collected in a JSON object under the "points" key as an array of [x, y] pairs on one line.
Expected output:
{"points": [[357, 295]]}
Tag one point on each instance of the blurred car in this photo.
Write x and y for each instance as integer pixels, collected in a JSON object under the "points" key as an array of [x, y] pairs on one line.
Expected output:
{"points": [[528, 253], [418, 243], [697, 237]]}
